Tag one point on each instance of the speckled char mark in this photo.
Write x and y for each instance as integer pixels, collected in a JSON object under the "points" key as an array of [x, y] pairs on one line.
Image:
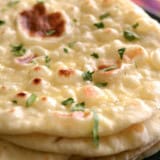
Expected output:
{"points": [[38, 22]]}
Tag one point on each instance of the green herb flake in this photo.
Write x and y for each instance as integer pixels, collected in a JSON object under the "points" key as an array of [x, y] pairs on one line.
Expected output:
{"points": [[136, 66], [135, 25], [47, 60], [130, 36], [110, 68], [50, 32], [18, 50], [2, 22], [95, 55], [12, 3], [103, 16], [103, 84], [14, 101], [40, 1], [99, 25], [31, 99], [68, 101], [78, 107], [87, 76], [71, 44], [65, 50], [95, 134], [75, 20], [33, 62], [121, 52]]}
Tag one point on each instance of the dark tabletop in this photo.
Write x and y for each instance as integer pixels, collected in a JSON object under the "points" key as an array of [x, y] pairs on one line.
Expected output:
{"points": [[154, 157]]}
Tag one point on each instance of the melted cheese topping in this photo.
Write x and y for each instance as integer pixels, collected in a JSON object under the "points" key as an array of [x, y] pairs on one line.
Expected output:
{"points": [[55, 68]]}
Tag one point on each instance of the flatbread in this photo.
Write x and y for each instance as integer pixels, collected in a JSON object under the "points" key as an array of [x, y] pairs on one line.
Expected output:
{"points": [[134, 137], [73, 72], [136, 154], [9, 151], [150, 152], [42, 67]]}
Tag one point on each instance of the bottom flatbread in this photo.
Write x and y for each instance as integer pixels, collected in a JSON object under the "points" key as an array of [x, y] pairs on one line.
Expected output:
{"points": [[9, 151], [153, 150], [137, 154], [134, 137]]}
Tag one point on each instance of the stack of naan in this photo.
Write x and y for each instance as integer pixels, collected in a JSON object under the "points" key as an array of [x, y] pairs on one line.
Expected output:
{"points": [[79, 80]]}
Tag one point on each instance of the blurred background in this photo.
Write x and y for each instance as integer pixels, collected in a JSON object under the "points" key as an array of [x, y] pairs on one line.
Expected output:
{"points": [[151, 6]]}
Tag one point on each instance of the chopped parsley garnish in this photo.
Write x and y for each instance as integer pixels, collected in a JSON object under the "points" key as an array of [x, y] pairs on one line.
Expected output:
{"points": [[50, 32], [75, 20], [130, 36], [33, 62], [68, 101], [2, 22], [13, 3], [87, 76], [95, 55], [95, 134], [110, 68], [121, 52], [14, 101], [99, 25], [40, 1], [71, 44], [65, 50], [47, 60], [103, 16], [136, 66], [18, 50], [103, 84], [78, 107], [31, 99], [135, 25]]}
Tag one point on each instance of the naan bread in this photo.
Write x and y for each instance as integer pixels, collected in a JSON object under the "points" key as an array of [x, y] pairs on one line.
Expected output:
{"points": [[136, 154], [47, 69], [134, 137], [9, 151], [150, 152], [79, 78]]}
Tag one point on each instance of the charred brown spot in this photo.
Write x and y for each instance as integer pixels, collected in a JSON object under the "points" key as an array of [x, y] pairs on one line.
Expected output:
{"points": [[58, 139], [138, 128], [66, 72], [46, 158], [39, 23], [110, 67], [36, 55], [37, 81], [86, 114], [37, 68], [103, 66], [4, 88], [21, 94], [44, 98]]}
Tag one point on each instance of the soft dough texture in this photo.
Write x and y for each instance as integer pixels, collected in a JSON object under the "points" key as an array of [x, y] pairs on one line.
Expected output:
{"points": [[134, 137], [78, 78], [118, 105], [9, 151]]}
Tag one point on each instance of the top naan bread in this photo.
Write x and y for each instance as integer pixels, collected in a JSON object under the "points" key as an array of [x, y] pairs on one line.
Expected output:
{"points": [[62, 61]]}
